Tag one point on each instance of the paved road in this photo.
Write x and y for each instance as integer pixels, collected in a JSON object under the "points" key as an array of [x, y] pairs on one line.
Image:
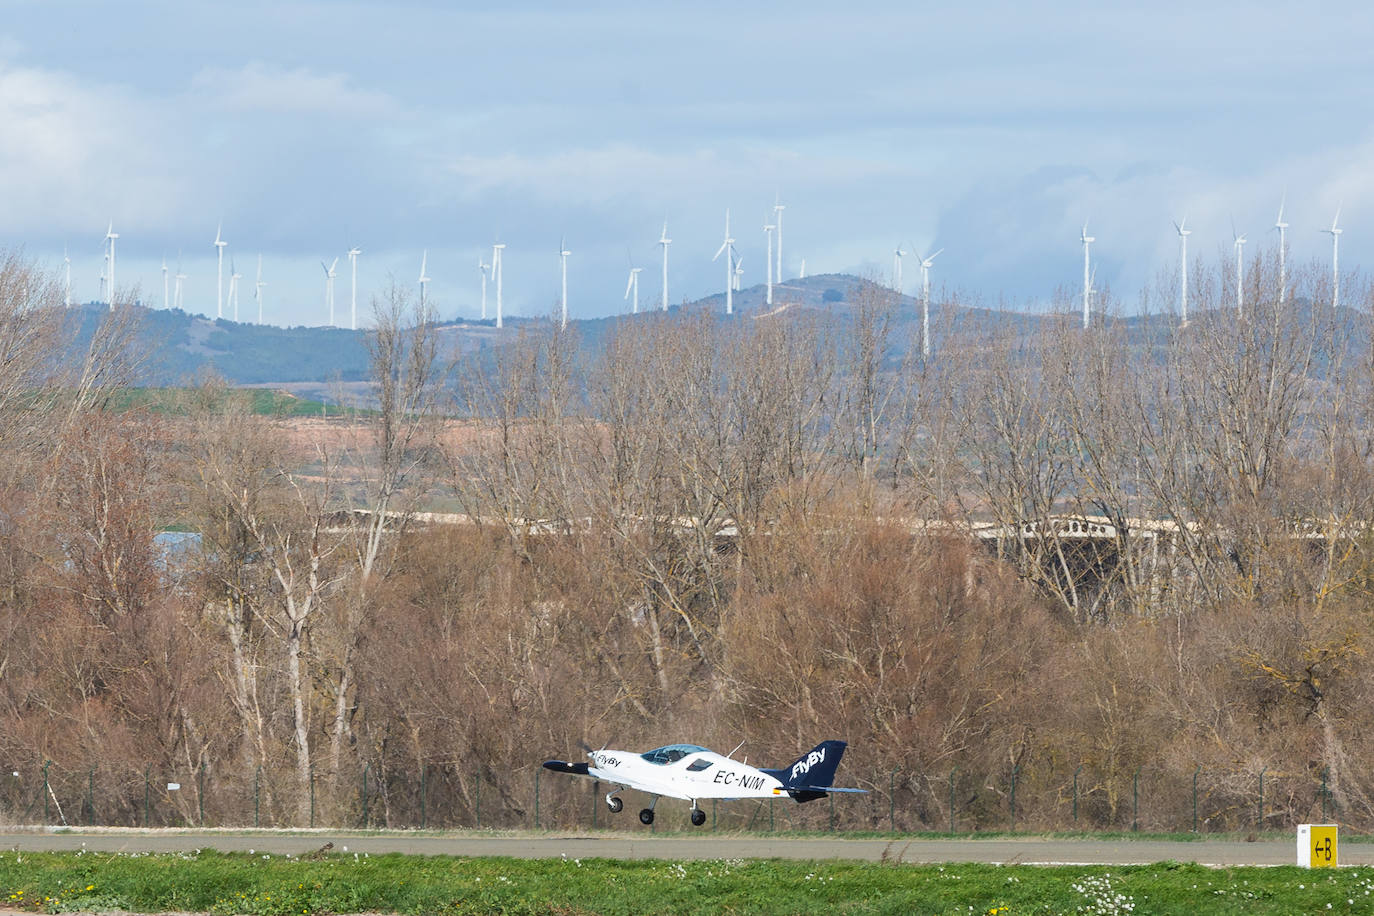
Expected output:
{"points": [[620, 846]]}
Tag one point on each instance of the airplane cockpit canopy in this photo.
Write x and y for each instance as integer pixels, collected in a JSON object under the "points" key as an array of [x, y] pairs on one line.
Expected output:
{"points": [[671, 753]]}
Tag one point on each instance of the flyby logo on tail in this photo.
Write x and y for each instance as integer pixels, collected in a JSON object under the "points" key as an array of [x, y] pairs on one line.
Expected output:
{"points": [[812, 773], [804, 765]]}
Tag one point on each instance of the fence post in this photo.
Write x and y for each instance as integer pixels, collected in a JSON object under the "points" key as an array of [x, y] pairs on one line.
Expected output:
{"points": [[312, 795], [424, 814], [892, 801], [1259, 812], [477, 804], [145, 796], [46, 764], [713, 814], [536, 799], [1075, 793], [596, 800], [366, 769], [951, 798], [1325, 773], [90, 798], [832, 812], [200, 793], [1135, 800], [1195, 772], [771, 825], [257, 794], [1014, 772]]}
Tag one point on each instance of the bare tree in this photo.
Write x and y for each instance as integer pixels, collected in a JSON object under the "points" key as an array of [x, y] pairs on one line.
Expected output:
{"points": [[396, 461]]}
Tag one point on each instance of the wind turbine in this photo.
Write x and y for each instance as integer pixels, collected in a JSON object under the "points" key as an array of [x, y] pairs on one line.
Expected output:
{"points": [[329, 276], [1240, 272], [768, 229], [728, 246], [66, 259], [563, 253], [110, 236], [1087, 280], [424, 280], [164, 282], [483, 267], [219, 277], [234, 278], [105, 269], [925, 301], [496, 273], [257, 289], [353, 287], [1183, 268], [1092, 285], [777, 221], [1335, 259], [739, 269], [1282, 227], [665, 242], [633, 284], [897, 255], [176, 297]]}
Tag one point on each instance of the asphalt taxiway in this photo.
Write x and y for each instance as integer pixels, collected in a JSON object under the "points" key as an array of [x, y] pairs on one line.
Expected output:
{"points": [[1005, 850]]}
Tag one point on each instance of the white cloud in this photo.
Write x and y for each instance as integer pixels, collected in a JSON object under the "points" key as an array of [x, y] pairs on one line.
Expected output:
{"points": [[73, 154], [264, 87], [597, 175]]}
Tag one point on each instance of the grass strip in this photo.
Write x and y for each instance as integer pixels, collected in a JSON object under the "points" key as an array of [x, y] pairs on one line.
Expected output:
{"points": [[213, 882]]}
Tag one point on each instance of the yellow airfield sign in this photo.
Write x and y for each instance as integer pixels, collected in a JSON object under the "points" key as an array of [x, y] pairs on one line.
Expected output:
{"points": [[1317, 846]]}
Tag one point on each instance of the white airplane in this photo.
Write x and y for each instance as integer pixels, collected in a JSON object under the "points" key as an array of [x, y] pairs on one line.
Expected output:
{"points": [[691, 773]]}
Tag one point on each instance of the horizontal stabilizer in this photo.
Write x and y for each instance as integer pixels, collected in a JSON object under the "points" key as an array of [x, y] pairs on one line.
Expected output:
{"points": [[559, 766], [806, 795]]}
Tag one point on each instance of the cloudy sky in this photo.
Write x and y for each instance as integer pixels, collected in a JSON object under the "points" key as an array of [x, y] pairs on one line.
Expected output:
{"points": [[992, 130]]}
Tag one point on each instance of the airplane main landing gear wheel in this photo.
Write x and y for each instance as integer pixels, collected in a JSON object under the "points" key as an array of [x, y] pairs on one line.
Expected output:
{"points": [[646, 816], [614, 804], [698, 817]]}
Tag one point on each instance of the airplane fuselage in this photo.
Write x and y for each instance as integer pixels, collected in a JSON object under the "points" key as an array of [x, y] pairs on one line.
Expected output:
{"points": [[690, 774]]}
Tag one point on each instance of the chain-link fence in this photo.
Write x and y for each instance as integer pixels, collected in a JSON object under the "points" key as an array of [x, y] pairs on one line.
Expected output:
{"points": [[447, 796]]}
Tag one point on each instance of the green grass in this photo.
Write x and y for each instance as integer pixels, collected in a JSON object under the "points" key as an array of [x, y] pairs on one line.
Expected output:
{"points": [[175, 401], [344, 883]]}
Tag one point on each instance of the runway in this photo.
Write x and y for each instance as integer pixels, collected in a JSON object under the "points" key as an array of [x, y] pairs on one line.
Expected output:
{"points": [[1007, 851]]}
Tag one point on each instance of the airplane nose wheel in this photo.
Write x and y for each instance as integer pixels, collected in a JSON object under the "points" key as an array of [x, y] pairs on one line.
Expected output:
{"points": [[646, 816], [614, 804], [698, 817]]}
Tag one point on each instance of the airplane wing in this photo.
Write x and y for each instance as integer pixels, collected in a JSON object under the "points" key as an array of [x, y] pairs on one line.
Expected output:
{"points": [[626, 780], [658, 789]]}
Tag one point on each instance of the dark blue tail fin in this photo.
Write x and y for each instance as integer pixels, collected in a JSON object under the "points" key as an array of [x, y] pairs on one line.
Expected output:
{"points": [[812, 773]]}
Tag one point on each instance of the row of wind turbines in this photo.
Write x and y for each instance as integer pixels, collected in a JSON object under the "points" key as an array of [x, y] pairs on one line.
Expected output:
{"points": [[172, 297], [1239, 240], [734, 270], [733, 263]]}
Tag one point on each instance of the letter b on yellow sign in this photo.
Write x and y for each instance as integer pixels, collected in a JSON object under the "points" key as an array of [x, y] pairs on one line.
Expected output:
{"points": [[1317, 846]]}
